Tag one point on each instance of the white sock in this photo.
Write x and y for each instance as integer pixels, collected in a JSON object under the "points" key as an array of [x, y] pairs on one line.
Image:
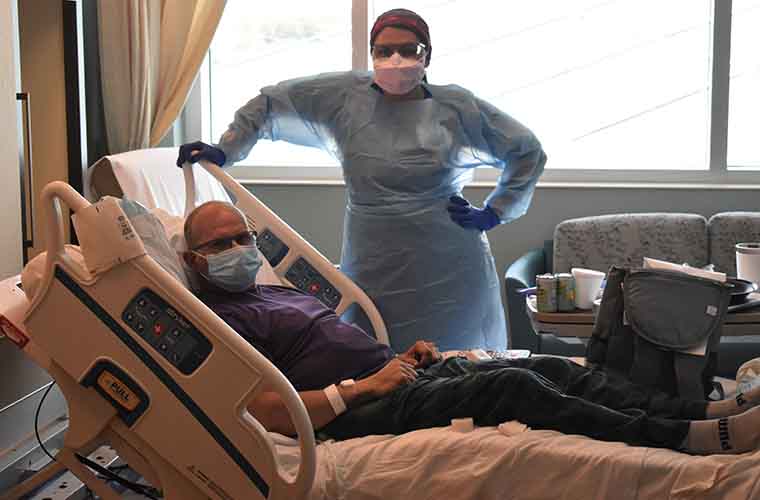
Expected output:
{"points": [[734, 406], [735, 434]]}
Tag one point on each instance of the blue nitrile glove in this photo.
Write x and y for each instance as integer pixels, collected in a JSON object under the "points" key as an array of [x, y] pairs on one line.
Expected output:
{"points": [[470, 217], [197, 151]]}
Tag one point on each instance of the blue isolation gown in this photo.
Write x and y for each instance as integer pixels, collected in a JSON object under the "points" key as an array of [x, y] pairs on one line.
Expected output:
{"points": [[430, 278]]}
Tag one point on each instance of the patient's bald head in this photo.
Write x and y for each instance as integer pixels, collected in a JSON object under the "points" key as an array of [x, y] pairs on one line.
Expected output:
{"points": [[213, 220], [210, 229]]}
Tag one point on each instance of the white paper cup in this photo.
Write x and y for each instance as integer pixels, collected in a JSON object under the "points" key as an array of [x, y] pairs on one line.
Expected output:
{"points": [[587, 283], [748, 261]]}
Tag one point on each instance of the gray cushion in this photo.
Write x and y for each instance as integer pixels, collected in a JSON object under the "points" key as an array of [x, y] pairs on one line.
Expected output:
{"points": [[726, 229], [625, 239]]}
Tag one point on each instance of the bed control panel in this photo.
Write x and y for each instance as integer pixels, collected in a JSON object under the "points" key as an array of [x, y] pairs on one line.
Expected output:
{"points": [[167, 331], [307, 279], [271, 247]]}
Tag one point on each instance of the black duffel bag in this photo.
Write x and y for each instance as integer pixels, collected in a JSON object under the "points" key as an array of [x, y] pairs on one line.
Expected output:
{"points": [[660, 329]]}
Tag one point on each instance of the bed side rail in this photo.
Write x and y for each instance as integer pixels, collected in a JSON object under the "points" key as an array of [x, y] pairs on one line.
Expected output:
{"points": [[292, 258], [106, 335]]}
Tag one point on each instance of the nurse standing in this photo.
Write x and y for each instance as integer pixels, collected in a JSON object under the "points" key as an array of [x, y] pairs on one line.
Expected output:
{"points": [[407, 148]]}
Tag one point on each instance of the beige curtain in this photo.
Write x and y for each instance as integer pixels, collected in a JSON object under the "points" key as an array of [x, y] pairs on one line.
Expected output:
{"points": [[150, 52]]}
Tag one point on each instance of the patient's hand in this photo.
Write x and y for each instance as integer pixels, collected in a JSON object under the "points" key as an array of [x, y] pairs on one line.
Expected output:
{"points": [[421, 355], [395, 374]]}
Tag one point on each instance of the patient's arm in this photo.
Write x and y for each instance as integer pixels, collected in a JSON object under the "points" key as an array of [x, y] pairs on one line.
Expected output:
{"points": [[267, 407]]}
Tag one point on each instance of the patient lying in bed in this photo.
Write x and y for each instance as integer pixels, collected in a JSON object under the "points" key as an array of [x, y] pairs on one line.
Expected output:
{"points": [[354, 386]]}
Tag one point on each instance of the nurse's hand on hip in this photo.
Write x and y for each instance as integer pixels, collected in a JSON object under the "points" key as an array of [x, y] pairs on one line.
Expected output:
{"points": [[197, 151], [470, 217]]}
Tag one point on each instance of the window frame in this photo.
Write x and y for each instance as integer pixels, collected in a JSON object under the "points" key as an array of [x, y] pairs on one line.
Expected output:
{"points": [[718, 175]]}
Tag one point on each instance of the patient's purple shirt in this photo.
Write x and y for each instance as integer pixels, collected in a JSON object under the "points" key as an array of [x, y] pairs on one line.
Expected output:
{"points": [[304, 339]]}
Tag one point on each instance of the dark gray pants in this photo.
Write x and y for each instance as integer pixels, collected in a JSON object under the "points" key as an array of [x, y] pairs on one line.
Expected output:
{"points": [[541, 392]]}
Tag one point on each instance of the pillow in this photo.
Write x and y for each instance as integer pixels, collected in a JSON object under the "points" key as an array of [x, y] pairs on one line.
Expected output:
{"points": [[153, 235]]}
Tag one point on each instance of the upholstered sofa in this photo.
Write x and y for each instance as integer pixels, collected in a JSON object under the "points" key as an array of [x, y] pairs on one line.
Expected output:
{"points": [[601, 241]]}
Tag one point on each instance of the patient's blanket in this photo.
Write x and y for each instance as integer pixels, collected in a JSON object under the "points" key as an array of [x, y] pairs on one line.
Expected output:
{"points": [[533, 465]]}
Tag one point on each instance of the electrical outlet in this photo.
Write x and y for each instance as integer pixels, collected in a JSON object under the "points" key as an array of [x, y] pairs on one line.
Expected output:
{"points": [[69, 487]]}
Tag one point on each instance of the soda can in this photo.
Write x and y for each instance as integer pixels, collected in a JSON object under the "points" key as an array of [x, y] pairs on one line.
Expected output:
{"points": [[565, 292], [546, 293]]}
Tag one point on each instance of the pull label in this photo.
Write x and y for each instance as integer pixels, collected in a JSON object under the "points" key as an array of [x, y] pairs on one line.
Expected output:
{"points": [[118, 390]]}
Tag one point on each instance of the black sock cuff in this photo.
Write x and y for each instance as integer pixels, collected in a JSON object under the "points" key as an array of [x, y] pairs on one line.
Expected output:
{"points": [[723, 434]]}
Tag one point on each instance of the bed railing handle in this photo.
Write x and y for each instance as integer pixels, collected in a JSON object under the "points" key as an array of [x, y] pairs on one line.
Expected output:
{"points": [[52, 195], [299, 487], [378, 325], [187, 171], [50, 206]]}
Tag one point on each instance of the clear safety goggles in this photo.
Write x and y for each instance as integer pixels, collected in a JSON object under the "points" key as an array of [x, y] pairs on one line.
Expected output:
{"points": [[245, 238], [405, 50]]}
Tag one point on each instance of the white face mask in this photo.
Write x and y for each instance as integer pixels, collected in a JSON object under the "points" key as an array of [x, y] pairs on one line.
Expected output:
{"points": [[233, 269], [398, 76]]}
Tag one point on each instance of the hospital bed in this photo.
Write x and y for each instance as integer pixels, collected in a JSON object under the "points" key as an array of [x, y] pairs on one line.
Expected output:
{"points": [[181, 421]]}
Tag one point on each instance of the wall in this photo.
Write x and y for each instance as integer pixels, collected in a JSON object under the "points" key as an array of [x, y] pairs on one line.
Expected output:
{"points": [[42, 76], [41, 45], [317, 211], [10, 220]]}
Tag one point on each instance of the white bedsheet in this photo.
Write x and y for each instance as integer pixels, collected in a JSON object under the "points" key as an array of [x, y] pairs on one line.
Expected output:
{"points": [[487, 464]]}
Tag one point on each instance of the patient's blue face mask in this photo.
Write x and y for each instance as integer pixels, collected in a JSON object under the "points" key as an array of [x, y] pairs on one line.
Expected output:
{"points": [[234, 269]]}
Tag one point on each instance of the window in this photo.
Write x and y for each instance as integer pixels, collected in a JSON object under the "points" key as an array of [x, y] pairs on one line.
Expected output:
{"points": [[744, 97], [256, 47], [638, 89], [586, 76]]}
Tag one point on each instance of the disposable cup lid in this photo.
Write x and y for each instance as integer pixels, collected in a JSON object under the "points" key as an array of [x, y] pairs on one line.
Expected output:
{"points": [[580, 272], [748, 248]]}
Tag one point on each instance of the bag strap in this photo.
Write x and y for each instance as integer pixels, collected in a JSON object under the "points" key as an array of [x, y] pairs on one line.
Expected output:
{"points": [[608, 318], [689, 370], [612, 304]]}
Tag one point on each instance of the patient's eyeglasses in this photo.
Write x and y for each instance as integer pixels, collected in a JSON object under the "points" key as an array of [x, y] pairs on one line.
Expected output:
{"points": [[221, 244], [406, 50]]}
